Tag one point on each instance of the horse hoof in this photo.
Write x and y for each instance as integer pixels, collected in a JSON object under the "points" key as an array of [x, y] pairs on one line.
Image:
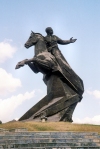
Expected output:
{"points": [[17, 67]]}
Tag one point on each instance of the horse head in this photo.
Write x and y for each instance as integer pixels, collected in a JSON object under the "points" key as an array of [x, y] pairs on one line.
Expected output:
{"points": [[37, 40], [31, 40]]}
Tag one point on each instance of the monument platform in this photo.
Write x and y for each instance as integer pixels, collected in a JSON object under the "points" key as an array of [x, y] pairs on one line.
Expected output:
{"points": [[50, 140]]}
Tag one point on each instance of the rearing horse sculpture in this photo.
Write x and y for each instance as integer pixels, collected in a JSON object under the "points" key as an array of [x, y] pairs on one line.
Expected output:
{"points": [[39, 60], [63, 93]]}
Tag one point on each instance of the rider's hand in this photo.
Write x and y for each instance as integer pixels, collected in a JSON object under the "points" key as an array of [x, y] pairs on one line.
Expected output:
{"points": [[72, 40]]}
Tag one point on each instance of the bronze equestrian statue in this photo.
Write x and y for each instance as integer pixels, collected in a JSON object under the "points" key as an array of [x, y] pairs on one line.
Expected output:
{"points": [[64, 86]]}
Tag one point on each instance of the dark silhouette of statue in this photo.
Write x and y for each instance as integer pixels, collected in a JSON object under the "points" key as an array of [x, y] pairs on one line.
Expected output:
{"points": [[64, 86]]}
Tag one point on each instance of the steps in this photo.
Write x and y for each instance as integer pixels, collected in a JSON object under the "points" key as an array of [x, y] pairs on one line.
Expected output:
{"points": [[49, 140]]}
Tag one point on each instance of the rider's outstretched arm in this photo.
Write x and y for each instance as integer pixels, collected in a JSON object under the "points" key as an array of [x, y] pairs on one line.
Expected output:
{"points": [[64, 42]]}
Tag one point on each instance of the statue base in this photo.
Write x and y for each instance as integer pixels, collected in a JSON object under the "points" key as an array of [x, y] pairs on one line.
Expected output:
{"points": [[57, 105]]}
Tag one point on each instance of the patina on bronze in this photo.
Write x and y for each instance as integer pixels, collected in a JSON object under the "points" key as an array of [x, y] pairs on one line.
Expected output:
{"points": [[64, 86]]}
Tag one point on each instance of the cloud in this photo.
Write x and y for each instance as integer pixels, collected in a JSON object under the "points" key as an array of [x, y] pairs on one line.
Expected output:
{"points": [[8, 106], [7, 82], [95, 93], [6, 51], [87, 120]]}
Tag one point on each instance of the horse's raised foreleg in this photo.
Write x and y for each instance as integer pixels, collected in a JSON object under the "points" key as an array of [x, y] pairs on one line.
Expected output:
{"points": [[21, 64], [30, 63]]}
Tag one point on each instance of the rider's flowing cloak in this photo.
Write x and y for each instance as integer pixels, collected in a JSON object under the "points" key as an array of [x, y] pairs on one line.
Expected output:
{"points": [[70, 76]]}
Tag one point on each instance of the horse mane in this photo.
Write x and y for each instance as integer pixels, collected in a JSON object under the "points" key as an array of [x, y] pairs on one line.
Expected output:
{"points": [[40, 34]]}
